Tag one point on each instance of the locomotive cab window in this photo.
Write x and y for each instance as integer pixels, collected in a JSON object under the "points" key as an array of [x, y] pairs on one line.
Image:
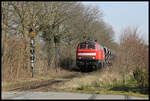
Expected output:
{"points": [[82, 46], [91, 46]]}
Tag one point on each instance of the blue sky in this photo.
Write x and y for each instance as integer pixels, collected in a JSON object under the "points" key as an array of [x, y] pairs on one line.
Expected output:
{"points": [[123, 14]]}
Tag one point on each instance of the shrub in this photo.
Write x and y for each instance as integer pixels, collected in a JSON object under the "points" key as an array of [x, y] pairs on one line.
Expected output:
{"points": [[141, 77]]}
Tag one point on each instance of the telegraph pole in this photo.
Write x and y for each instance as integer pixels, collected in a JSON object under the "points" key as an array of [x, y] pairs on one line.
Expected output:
{"points": [[32, 34]]}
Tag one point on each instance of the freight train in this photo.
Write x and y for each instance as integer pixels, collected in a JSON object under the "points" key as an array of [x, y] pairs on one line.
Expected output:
{"points": [[91, 55]]}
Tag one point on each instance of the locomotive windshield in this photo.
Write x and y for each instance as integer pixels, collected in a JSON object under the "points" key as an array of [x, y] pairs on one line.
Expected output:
{"points": [[91, 46], [87, 45], [82, 46]]}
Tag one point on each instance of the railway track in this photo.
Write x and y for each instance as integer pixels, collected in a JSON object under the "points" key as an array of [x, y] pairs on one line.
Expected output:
{"points": [[32, 85], [44, 85]]}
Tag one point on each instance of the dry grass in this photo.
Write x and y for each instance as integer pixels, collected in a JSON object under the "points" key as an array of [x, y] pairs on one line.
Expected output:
{"points": [[105, 77], [105, 82]]}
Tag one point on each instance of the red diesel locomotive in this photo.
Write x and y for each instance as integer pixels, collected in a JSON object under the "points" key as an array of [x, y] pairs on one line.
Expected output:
{"points": [[90, 55]]}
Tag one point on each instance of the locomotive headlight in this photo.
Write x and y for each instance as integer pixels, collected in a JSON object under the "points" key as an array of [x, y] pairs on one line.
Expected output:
{"points": [[93, 57]]}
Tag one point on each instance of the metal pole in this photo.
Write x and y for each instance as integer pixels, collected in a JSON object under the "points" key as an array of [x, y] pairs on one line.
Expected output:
{"points": [[32, 54]]}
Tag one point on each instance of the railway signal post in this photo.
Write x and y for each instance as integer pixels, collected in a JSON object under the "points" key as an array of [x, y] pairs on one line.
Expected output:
{"points": [[32, 34]]}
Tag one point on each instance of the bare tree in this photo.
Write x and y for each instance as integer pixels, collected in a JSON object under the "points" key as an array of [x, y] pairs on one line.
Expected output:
{"points": [[71, 21], [133, 52]]}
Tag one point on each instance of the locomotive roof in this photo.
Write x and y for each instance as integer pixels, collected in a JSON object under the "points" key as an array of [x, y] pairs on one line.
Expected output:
{"points": [[89, 42]]}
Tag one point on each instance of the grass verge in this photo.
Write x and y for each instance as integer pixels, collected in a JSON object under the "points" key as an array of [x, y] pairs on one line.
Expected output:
{"points": [[105, 84]]}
